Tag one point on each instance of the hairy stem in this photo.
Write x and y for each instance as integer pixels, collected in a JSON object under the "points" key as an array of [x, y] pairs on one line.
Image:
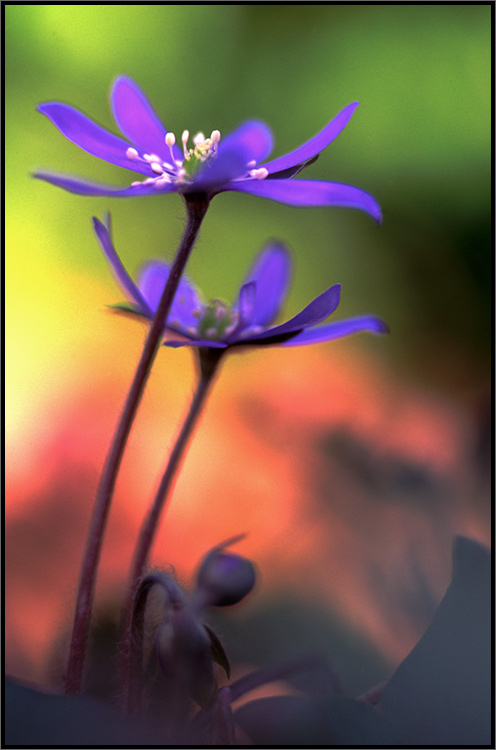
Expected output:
{"points": [[196, 207], [209, 360]]}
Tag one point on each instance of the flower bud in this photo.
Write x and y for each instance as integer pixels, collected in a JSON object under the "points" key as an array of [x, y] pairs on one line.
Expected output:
{"points": [[184, 653], [225, 578]]}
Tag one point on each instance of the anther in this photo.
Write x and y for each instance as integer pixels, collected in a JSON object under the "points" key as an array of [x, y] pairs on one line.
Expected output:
{"points": [[170, 140], [157, 168], [184, 139], [151, 158], [131, 153], [259, 174], [197, 312]]}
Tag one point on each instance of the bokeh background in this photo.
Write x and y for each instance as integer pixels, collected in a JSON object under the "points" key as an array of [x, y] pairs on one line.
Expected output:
{"points": [[350, 465]]}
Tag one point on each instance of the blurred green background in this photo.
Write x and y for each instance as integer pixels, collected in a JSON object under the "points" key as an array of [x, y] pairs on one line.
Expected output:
{"points": [[419, 142]]}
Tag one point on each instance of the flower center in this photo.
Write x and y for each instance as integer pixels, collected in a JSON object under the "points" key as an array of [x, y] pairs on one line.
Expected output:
{"points": [[179, 171], [216, 320], [204, 149], [182, 171]]}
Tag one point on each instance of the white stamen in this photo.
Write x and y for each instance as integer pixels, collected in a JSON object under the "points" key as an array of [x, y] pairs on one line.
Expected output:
{"points": [[173, 171], [210, 333], [184, 139], [252, 164], [220, 313], [259, 174], [197, 312], [192, 330]]}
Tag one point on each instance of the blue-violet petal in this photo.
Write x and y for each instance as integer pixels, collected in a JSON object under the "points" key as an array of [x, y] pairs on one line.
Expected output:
{"points": [[104, 238], [312, 193], [89, 136], [317, 311], [137, 120], [316, 144], [338, 329], [271, 271]]}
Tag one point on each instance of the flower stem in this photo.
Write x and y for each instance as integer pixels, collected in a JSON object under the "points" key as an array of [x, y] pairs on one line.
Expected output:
{"points": [[196, 207], [209, 360]]}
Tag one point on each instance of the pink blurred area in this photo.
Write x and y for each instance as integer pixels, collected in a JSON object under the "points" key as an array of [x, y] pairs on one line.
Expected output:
{"points": [[348, 483]]}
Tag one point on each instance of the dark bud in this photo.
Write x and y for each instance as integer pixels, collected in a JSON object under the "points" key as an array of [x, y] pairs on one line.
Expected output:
{"points": [[225, 578]]}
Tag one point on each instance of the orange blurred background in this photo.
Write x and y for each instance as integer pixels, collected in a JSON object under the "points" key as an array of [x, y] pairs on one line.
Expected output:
{"points": [[348, 483]]}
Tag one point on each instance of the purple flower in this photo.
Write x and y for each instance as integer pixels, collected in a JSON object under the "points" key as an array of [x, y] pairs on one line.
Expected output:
{"points": [[212, 165], [217, 325]]}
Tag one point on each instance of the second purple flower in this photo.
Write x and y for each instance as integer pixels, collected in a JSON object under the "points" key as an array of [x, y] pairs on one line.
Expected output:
{"points": [[248, 321]]}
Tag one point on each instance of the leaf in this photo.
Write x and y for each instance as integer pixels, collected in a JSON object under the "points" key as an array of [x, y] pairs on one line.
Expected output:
{"points": [[441, 693], [33, 718], [300, 720]]}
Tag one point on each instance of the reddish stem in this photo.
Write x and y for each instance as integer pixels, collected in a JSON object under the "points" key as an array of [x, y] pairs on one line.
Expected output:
{"points": [[209, 360], [196, 207]]}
